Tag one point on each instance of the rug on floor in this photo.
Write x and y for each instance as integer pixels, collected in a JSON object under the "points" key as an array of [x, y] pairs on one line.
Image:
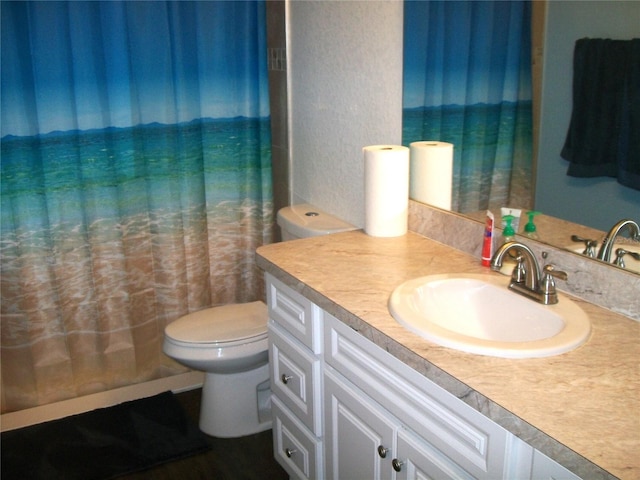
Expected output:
{"points": [[103, 443]]}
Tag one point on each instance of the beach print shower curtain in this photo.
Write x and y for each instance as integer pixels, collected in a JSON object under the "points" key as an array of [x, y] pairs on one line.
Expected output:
{"points": [[136, 184], [467, 81]]}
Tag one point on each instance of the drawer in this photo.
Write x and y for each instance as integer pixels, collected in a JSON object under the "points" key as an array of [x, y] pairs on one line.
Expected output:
{"points": [[445, 421], [295, 377], [296, 314], [299, 452]]}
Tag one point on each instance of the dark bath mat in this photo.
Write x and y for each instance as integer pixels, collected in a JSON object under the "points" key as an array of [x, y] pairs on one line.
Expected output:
{"points": [[103, 443]]}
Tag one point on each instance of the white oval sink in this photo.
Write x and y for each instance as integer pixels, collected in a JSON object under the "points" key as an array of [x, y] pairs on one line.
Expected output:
{"points": [[478, 314]]}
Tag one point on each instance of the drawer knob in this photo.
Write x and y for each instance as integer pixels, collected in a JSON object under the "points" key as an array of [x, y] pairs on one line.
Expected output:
{"points": [[285, 378], [382, 451], [396, 464], [289, 451]]}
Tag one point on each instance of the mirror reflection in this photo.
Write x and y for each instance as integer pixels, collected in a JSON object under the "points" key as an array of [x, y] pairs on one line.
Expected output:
{"points": [[481, 89]]}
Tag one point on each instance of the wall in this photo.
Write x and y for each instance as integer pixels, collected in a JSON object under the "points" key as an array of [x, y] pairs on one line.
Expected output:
{"points": [[279, 104], [557, 194], [345, 92]]}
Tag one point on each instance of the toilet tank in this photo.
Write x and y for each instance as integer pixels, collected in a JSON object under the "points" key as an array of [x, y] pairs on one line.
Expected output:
{"points": [[305, 220]]}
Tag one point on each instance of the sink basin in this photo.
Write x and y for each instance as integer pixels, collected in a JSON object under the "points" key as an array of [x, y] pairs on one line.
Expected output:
{"points": [[631, 264], [478, 314]]}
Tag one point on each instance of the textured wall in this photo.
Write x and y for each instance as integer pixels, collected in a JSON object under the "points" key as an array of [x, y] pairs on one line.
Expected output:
{"points": [[345, 92]]}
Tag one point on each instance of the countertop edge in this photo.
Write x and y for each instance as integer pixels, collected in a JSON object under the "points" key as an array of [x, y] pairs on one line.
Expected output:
{"points": [[541, 441]]}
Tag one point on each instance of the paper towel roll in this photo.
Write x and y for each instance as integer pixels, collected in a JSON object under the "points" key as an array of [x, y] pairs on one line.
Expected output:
{"points": [[431, 173], [386, 190]]}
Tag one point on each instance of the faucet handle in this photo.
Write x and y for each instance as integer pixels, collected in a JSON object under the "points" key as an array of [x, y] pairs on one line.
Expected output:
{"points": [[550, 270], [519, 272], [589, 245], [621, 252], [548, 284]]}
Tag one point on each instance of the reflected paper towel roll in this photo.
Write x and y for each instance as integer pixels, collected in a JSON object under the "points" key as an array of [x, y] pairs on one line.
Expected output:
{"points": [[431, 173], [386, 190]]}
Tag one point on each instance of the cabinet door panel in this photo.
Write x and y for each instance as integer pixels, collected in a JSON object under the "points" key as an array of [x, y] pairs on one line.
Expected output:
{"points": [[546, 469], [418, 459], [355, 429]]}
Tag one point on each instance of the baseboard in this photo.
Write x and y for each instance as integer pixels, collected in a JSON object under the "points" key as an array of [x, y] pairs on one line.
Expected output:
{"points": [[53, 411]]}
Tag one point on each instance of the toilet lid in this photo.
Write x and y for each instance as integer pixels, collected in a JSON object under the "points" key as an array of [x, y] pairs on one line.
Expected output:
{"points": [[228, 323]]}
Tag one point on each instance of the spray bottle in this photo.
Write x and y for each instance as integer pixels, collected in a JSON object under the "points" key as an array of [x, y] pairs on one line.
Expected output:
{"points": [[530, 227], [508, 234]]}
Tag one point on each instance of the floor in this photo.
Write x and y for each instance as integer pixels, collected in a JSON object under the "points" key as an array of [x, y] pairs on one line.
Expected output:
{"points": [[245, 458]]}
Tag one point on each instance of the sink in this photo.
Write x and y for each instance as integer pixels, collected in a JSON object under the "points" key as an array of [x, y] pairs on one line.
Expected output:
{"points": [[630, 263], [478, 314]]}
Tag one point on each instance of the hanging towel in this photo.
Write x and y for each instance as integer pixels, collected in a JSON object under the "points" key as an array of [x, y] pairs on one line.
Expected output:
{"points": [[604, 132]]}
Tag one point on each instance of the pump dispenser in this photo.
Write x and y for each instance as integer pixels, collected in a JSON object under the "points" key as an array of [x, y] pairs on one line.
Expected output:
{"points": [[508, 234], [530, 227]]}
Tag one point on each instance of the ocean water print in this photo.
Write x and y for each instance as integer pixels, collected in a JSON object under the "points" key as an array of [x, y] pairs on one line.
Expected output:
{"points": [[67, 189], [492, 147], [190, 163]]}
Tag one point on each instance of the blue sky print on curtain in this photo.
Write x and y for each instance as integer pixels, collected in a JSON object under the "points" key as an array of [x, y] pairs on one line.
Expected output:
{"points": [[467, 81], [136, 183]]}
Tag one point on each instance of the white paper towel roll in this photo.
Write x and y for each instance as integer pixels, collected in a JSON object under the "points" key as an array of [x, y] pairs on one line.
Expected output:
{"points": [[386, 190], [431, 173]]}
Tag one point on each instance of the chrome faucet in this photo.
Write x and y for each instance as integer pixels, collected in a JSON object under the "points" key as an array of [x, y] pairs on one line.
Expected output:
{"points": [[609, 240], [527, 279]]}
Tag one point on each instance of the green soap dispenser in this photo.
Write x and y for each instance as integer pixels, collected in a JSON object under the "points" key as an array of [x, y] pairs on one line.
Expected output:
{"points": [[508, 234], [530, 227]]}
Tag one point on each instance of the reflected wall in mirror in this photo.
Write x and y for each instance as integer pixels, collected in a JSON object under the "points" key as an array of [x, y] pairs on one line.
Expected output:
{"points": [[585, 208]]}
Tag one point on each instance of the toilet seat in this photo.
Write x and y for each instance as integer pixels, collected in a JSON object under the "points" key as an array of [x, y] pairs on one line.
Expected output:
{"points": [[223, 326]]}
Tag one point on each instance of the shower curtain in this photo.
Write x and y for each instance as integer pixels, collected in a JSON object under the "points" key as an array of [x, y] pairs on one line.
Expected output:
{"points": [[467, 81], [136, 184]]}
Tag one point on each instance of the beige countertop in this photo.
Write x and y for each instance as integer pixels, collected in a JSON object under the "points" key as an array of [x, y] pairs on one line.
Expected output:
{"points": [[581, 408]]}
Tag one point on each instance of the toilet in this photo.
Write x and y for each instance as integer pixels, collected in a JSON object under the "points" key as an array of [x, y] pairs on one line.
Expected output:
{"points": [[229, 343]]}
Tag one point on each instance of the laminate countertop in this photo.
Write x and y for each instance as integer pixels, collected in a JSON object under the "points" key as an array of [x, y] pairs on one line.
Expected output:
{"points": [[581, 408]]}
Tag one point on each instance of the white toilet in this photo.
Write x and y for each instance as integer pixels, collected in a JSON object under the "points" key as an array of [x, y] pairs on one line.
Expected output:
{"points": [[229, 343]]}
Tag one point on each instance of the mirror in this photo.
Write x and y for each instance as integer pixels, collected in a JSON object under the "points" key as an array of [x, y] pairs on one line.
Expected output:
{"points": [[586, 208]]}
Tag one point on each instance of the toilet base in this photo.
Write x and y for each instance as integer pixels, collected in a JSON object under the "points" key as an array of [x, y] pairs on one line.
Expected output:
{"points": [[237, 404]]}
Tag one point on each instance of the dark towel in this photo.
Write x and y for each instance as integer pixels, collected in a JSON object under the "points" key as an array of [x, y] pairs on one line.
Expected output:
{"points": [[604, 133]]}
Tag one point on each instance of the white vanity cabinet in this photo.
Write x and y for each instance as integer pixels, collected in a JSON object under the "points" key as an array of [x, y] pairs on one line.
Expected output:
{"points": [[295, 363], [436, 434], [344, 408]]}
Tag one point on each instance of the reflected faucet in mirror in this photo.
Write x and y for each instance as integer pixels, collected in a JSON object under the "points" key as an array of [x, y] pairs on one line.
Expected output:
{"points": [[589, 245], [608, 243]]}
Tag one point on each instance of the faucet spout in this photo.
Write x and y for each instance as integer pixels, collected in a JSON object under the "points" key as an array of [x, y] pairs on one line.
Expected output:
{"points": [[537, 285], [609, 240], [532, 269]]}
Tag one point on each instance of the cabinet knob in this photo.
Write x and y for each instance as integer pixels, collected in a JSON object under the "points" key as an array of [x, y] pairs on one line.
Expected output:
{"points": [[289, 451], [396, 464], [285, 378], [382, 451]]}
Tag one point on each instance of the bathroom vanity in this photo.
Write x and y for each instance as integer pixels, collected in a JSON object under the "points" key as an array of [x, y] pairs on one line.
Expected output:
{"points": [[356, 395]]}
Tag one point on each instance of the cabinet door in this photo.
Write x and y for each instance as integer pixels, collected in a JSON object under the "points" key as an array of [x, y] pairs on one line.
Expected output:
{"points": [[418, 459], [544, 468], [470, 439], [359, 434]]}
